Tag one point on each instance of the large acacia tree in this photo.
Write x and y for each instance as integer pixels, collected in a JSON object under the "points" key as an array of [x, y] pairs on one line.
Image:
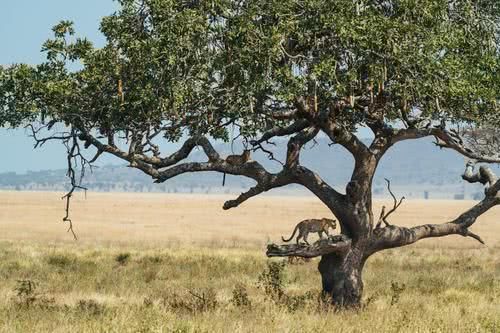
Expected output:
{"points": [[191, 71]]}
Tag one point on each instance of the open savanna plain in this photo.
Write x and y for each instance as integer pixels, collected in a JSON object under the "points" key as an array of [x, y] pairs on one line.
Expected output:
{"points": [[179, 263]]}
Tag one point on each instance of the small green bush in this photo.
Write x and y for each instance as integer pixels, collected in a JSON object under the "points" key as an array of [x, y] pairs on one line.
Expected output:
{"points": [[122, 258], [272, 280]]}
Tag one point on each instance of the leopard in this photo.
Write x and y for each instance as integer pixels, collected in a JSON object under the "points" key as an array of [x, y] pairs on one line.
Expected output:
{"points": [[312, 225], [237, 160]]}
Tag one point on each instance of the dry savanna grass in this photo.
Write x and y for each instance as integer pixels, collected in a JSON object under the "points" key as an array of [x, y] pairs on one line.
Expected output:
{"points": [[178, 263]]}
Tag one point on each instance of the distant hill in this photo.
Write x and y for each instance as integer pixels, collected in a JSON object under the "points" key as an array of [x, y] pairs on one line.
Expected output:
{"points": [[415, 168]]}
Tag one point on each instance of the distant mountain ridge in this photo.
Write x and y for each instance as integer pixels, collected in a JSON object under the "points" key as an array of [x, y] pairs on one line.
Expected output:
{"points": [[417, 169]]}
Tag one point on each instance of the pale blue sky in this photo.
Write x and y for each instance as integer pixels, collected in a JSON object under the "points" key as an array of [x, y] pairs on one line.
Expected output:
{"points": [[24, 26]]}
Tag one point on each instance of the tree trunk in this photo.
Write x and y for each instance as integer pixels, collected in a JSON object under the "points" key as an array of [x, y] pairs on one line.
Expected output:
{"points": [[341, 277]]}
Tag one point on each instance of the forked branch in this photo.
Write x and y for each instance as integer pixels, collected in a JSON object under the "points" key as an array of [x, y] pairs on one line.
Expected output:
{"points": [[485, 176], [75, 160], [383, 215], [163, 169]]}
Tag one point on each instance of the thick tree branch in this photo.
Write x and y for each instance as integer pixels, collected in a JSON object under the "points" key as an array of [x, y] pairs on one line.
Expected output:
{"points": [[393, 236], [284, 115], [186, 149], [485, 176], [292, 173], [339, 244], [445, 139], [265, 184], [251, 169], [293, 128], [296, 144], [345, 138], [162, 169], [327, 194], [141, 159]]}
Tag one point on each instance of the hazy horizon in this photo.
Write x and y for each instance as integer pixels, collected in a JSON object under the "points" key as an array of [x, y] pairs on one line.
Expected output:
{"points": [[24, 26]]}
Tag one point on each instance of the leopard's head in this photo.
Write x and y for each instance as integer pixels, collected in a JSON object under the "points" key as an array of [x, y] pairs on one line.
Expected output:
{"points": [[331, 223]]}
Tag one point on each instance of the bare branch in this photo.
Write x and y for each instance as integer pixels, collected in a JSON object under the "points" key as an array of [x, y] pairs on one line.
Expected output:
{"points": [[269, 153], [163, 169], [75, 160], [327, 194], [254, 191], [485, 176], [392, 236], [451, 139], [39, 142], [142, 160], [473, 235], [265, 184], [383, 215]]}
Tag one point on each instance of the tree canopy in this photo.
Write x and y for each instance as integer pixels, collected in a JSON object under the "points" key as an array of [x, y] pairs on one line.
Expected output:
{"points": [[201, 64], [193, 70]]}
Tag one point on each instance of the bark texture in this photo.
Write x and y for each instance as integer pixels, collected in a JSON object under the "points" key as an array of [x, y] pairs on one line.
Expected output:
{"points": [[341, 278], [340, 244]]}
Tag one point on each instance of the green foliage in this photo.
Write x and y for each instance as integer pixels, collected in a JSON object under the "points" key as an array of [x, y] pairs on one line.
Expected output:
{"points": [[199, 65], [272, 280], [122, 258]]}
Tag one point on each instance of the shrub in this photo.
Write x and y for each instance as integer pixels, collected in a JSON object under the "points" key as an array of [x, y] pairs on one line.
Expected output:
{"points": [[240, 297], [193, 302], [296, 302], [272, 280], [396, 291], [26, 292], [28, 296], [122, 258]]}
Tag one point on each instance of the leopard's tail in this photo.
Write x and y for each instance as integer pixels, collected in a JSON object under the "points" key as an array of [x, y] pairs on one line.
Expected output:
{"points": [[293, 234]]}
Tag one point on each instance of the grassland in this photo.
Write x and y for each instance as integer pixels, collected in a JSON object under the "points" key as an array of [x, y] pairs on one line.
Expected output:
{"points": [[163, 263]]}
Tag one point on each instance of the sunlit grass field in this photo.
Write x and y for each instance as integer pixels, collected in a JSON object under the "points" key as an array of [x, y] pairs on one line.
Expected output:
{"points": [[165, 263]]}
